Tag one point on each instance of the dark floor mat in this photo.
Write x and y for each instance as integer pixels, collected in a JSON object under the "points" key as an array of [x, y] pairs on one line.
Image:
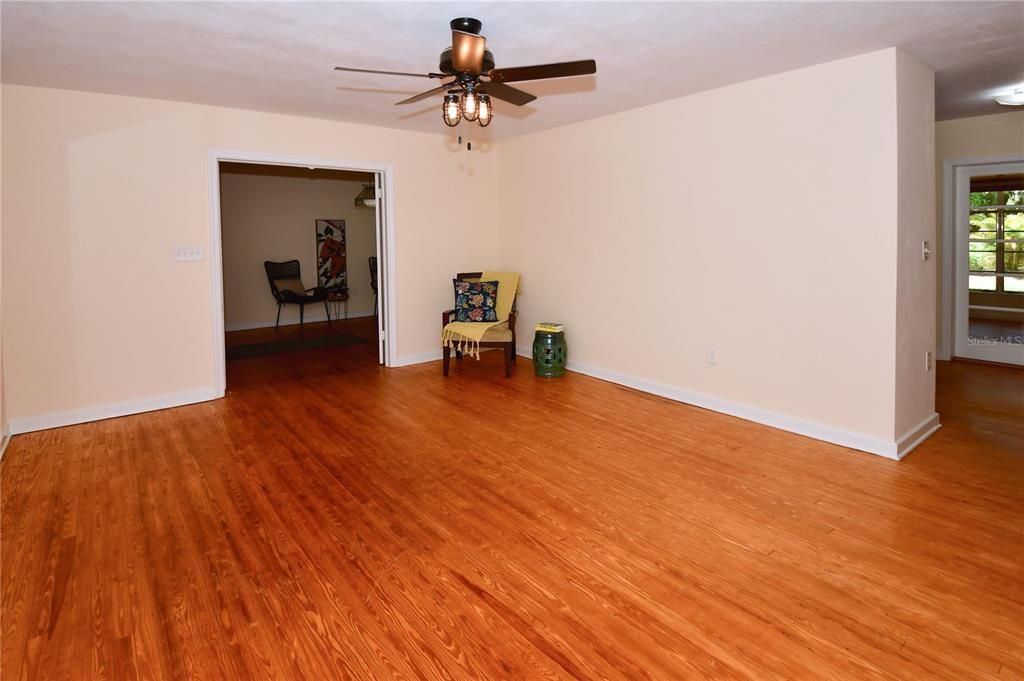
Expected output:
{"points": [[291, 345]]}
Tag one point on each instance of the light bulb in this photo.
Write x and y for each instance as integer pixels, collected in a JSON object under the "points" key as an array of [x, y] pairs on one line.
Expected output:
{"points": [[470, 105], [1015, 98], [486, 112], [450, 111]]}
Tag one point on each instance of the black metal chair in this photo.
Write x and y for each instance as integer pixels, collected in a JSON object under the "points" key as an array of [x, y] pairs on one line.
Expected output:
{"points": [[287, 289], [373, 281]]}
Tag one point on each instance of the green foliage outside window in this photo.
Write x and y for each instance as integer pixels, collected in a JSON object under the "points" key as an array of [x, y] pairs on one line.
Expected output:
{"points": [[1010, 198]]}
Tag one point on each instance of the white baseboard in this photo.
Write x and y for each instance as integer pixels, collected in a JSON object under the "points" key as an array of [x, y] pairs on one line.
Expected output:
{"points": [[73, 416], [422, 357], [5, 439], [917, 435], [845, 438], [310, 319], [432, 356]]}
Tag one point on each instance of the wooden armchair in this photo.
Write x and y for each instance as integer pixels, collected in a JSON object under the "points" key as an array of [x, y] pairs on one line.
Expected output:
{"points": [[502, 337]]}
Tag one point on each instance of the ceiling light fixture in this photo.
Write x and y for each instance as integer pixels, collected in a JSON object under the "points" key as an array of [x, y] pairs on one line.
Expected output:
{"points": [[451, 112], [367, 198], [486, 112], [470, 102], [1014, 98], [470, 106]]}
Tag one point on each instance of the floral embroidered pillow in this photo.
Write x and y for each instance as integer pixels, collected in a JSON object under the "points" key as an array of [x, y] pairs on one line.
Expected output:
{"points": [[475, 301]]}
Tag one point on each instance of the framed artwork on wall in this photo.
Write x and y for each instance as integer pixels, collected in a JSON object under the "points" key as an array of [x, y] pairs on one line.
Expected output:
{"points": [[330, 255]]}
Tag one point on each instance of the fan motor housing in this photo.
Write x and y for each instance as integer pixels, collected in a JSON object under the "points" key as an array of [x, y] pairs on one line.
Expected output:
{"points": [[445, 65]]}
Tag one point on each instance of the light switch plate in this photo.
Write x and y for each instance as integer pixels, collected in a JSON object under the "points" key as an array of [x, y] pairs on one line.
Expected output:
{"points": [[187, 254]]}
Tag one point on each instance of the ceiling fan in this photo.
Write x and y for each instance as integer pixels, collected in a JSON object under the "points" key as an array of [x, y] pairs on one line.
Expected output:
{"points": [[474, 80]]}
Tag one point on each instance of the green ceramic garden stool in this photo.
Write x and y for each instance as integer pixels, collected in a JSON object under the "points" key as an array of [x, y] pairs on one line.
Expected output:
{"points": [[549, 353]]}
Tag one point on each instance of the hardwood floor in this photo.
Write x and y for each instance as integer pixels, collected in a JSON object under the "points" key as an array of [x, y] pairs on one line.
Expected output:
{"points": [[331, 519], [364, 327]]}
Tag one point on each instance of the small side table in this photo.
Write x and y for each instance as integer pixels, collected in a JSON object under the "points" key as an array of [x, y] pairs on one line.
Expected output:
{"points": [[335, 300], [549, 353]]}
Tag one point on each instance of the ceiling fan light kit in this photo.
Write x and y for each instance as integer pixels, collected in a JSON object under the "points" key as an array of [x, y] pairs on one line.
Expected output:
{"points": [[470, 103], [451, 110], [486, 111], [470, 65]]}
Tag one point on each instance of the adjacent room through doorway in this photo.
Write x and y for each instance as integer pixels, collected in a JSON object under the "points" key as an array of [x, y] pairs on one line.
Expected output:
{"points": [[996, 259], [300, 250], [988, 254]]}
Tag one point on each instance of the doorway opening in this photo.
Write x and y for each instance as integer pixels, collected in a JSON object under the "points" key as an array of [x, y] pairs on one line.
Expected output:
{"points": [[988, 271], [301, 265]]}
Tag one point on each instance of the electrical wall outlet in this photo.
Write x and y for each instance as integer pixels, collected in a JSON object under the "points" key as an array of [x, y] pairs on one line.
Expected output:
{"points": [[187, 254], [928, 361], [712, 356]]}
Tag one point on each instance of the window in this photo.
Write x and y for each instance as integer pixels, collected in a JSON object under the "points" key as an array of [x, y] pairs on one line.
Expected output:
{"points": [[996, 243]]}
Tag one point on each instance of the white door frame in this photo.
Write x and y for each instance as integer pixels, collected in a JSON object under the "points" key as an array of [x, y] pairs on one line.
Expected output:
{"points": [[386, 238], [380, 217], [949, 240]]}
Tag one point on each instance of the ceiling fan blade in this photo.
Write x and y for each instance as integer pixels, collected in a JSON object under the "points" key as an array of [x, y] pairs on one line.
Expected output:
{"points": [[468, 52], [391, 73], [506, 93], [424, 95], [564, 69]]}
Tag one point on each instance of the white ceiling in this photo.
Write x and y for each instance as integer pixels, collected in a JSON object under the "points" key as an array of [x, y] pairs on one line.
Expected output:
{"points": [[278, 56]]}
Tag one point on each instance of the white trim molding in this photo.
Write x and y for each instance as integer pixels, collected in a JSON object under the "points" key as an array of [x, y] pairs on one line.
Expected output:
{"points": [[435, 355], [310, 319], [109, 411], [916, 435], [421, 358], [838, 436]]}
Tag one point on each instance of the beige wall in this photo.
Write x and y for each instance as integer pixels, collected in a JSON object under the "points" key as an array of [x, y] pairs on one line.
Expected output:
{"points": [[268, 213], [966, 138], [758, 220], [100, 189], [915, 280]]}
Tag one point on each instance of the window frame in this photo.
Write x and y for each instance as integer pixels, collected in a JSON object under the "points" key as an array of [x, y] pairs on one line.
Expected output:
{"points": [[1000, 209]]}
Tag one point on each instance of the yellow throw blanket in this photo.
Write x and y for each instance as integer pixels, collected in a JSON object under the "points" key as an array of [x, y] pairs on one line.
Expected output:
{"points": [[466, 336]]}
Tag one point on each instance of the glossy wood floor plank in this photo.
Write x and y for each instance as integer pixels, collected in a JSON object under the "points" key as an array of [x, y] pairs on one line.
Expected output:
{"points": [[331, 519]]}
